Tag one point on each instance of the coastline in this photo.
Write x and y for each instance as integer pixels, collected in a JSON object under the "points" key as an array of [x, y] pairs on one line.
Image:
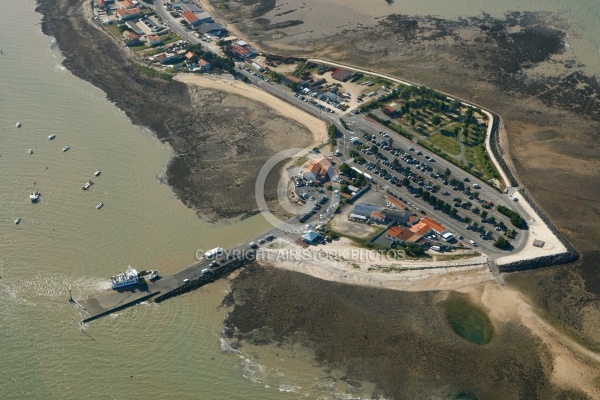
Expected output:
{"points": [[219, 143]]}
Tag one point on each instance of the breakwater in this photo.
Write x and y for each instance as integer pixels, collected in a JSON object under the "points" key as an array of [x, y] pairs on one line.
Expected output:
{"points": [[569, 256], [204, 279]]}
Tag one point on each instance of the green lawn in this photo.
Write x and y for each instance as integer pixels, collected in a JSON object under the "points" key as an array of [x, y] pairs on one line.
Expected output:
{"points": [[448, 144], [114, 30]]}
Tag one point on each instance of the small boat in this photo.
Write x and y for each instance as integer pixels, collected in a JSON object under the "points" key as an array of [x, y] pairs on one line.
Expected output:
{"points": [[17, 220], [30, 151], [148, 276], [97, 173], [65, 148], [34, 196], [18, 125], [87, 185], [52, 136], [100, 205]]}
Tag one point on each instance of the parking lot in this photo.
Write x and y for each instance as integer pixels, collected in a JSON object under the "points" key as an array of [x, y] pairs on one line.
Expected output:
{"points": [[417, 180]]}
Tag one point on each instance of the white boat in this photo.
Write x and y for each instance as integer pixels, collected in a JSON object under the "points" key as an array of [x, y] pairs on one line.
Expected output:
{"points": [[87, 185], [30, 151], [34, 196], [17, 220], [100, 205], [129, 277], [149, 275], [65, 148], [52, 136], [97, 173], [18, 125]]}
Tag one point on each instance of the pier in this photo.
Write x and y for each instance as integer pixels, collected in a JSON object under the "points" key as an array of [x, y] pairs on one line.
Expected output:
{"points": [[160, 290]]}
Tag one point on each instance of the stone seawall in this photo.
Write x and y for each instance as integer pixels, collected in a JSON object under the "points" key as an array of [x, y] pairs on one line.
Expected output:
{"points": [[497, 149]]}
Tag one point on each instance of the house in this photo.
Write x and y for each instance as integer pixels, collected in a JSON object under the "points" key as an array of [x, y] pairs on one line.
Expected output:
{"points": [[100, 4], [204, 65], [125, 15], [378, 217], [434, 225], [134, 27], [413, 219], [239, 52], [190, 18], [392, 109], [184, 7], [341, 74], [153, 40], [127, 5], [420, 229], [317, 170], [366, 210], [400, 235], [130, 38], [329, 96], [394, 203], [203, 17], [212, 28], [311, 237], [397, 216], [190, 55]]}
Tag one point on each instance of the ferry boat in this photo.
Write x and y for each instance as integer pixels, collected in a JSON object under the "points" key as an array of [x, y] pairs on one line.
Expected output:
{"points": [[100, 205], [52, 136], [87, 185], [65, 148], [129, 277], [97, 173], [17, 220], [34, 196]]}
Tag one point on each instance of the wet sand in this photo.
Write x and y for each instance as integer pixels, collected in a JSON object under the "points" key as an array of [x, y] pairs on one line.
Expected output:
{"points": [[399, 340], [220, 140]]}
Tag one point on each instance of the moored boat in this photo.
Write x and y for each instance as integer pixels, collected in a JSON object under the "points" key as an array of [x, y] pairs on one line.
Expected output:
{"points": [[18, 125], [34, 196], [129, 277], [97, 173], [30, 151], [87, 185], [149, 275], [52, 136], [65, 148], [17, 220], [100, 205]]}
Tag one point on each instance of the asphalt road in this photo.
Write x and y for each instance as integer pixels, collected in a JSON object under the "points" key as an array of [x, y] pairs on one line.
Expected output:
{"points": [[359, 125]]}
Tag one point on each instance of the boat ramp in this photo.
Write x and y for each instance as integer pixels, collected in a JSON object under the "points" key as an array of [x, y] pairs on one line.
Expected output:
{"points": [[160, 290]]}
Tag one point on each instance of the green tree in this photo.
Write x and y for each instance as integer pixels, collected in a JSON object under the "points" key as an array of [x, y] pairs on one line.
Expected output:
{"points": [[436, 120], [405, 182], [502, 243], [484, 214], [414, 250]]}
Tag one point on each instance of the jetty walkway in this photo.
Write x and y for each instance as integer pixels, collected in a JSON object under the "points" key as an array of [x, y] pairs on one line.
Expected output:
{"points": [[162, 289]]}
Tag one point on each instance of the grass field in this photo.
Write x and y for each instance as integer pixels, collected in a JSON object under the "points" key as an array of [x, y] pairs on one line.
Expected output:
{"points": [[448, 144]]}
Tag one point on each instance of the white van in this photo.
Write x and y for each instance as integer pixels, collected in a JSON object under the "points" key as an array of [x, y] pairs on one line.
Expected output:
{"points": [[472, 242]]}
